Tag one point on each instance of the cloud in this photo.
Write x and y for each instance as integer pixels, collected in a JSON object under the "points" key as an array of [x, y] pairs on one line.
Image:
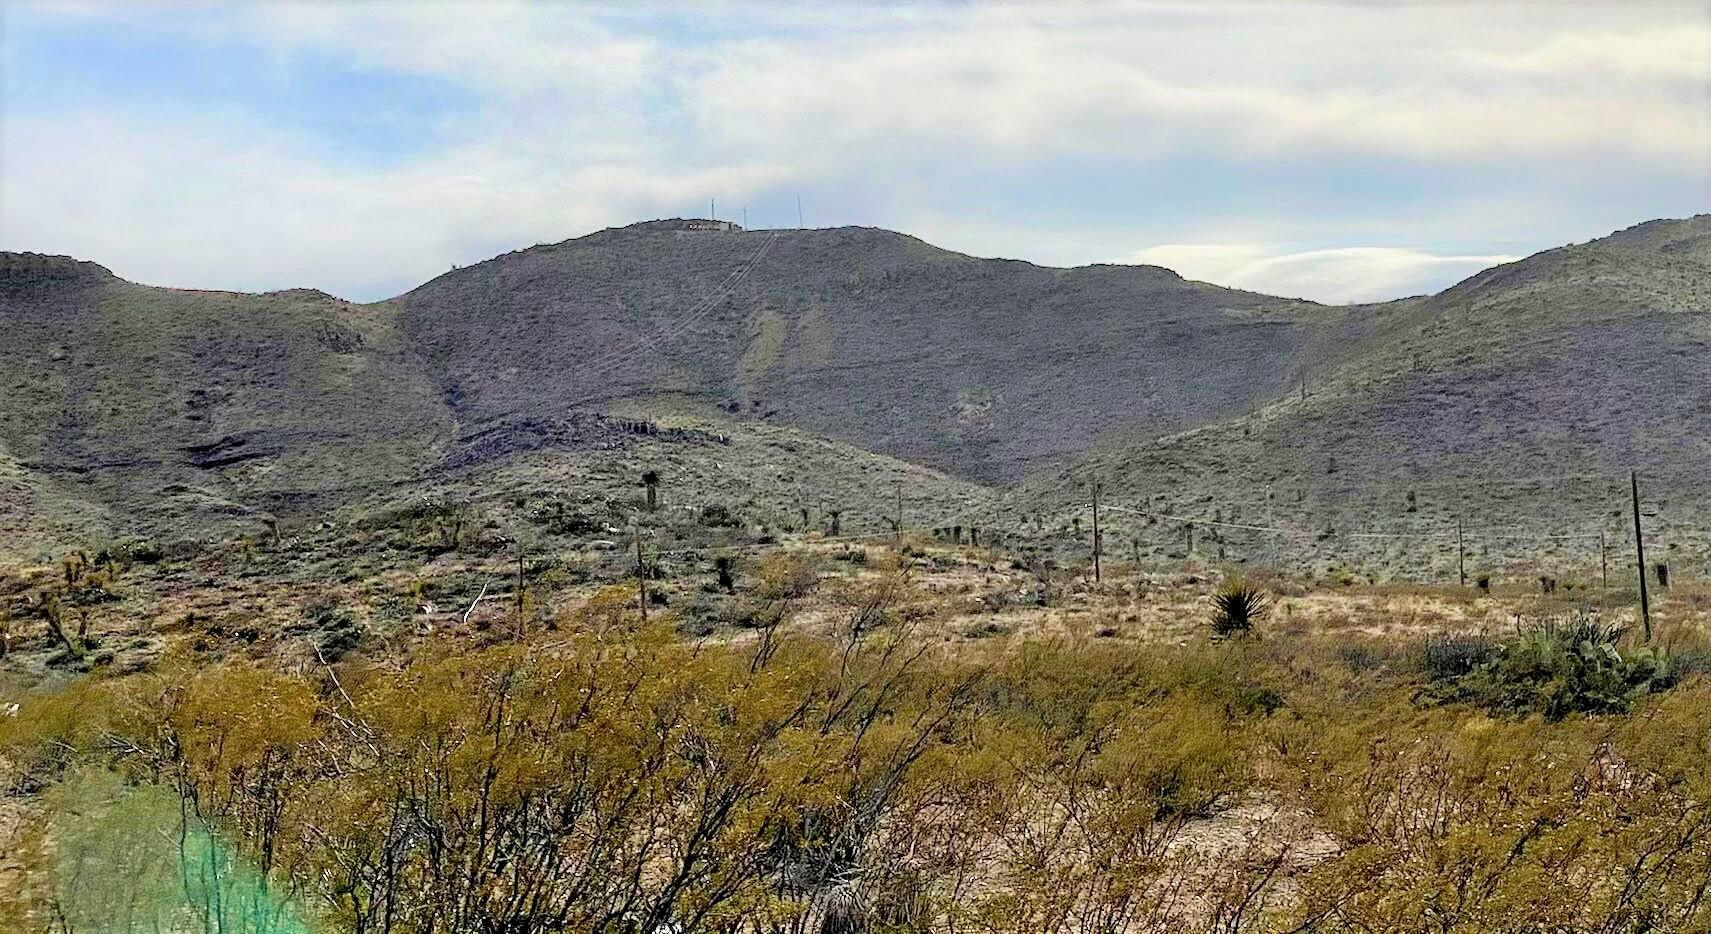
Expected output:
{"points": [[913, 117], [1678, 52], [1025, 82], [241, 205], [1336, 276]]}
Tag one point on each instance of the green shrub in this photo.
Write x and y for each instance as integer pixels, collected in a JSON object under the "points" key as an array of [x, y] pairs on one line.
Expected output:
{"points": [[1561, 667]]}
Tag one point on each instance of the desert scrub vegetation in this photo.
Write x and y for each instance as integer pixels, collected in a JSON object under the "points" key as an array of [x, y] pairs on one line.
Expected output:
{"points": [[1552, 667], [610, 776]]}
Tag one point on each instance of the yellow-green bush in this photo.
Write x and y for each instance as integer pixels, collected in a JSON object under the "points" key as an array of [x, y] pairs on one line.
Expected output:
{"points": [[613, 777]]}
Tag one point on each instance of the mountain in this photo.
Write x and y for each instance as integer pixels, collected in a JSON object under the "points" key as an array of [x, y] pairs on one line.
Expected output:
{"points": [[134, 408], [974, 366], [169, 409], [1516, 402]]}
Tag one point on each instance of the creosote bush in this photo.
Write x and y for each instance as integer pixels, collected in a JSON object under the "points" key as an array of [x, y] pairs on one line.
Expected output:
{"points": [[612, 777]]}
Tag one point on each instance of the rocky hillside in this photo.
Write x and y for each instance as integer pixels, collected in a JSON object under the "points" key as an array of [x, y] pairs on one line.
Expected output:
{"points": [[975, 366], [128, 407], [1517, 401]]}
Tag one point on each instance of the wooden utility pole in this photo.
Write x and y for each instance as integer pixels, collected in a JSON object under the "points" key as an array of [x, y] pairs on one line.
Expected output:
{"points": [[1096, 574], [897, 522], [519, 583], [1640, 551], [1603, 562], [1461, 553], [641, 577]]}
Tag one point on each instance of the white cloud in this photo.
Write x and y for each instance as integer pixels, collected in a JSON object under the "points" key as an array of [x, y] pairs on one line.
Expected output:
{"points": [[587, 116], [1679, 52], [1257, 81], [240, 205], [1336, 276]]}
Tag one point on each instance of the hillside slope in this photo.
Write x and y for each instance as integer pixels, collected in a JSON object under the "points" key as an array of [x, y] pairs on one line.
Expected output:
{"points": [[129, 408], [1516, 401], [165, 407], [978, 367]]}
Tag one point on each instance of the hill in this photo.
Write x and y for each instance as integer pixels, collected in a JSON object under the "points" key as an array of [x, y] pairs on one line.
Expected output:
{"points": [[143, 410], [162, 408], [974, 366], [1516, 401]]}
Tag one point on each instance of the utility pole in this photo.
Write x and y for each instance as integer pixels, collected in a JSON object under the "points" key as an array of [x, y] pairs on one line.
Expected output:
{"points": [[745, 218], [1096, 574], [1275, 549], [712, 210], [641, 577], [1603, 562], [1461, 553], [519, 542], [799, 224], [897, 522], [1640, 550]]}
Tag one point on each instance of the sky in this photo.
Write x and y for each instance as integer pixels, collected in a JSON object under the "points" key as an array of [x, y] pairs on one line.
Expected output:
{"points": [[1338, 152]]}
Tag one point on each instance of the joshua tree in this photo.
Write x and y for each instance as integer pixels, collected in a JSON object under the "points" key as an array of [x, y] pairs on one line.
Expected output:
{"points": [[835, 515], [722, 564], [650, 480]]}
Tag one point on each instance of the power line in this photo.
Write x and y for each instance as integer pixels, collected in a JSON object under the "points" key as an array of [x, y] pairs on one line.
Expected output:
{"points": [[695, 312], [1488, 532]]}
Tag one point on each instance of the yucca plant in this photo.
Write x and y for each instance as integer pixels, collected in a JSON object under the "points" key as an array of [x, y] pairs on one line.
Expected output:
{"points": [[1236, 607]]}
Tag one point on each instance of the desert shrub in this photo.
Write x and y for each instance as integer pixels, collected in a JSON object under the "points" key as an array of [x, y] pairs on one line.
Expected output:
{"points": [[786, 576], [1682, 664], [1236, 607], [1359, 658], [1475, 822], [1449, 656], [332, 629], [857, 556], [1555, 668], [617, 771], [560, 521], [697, 621], [718, 515]]}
